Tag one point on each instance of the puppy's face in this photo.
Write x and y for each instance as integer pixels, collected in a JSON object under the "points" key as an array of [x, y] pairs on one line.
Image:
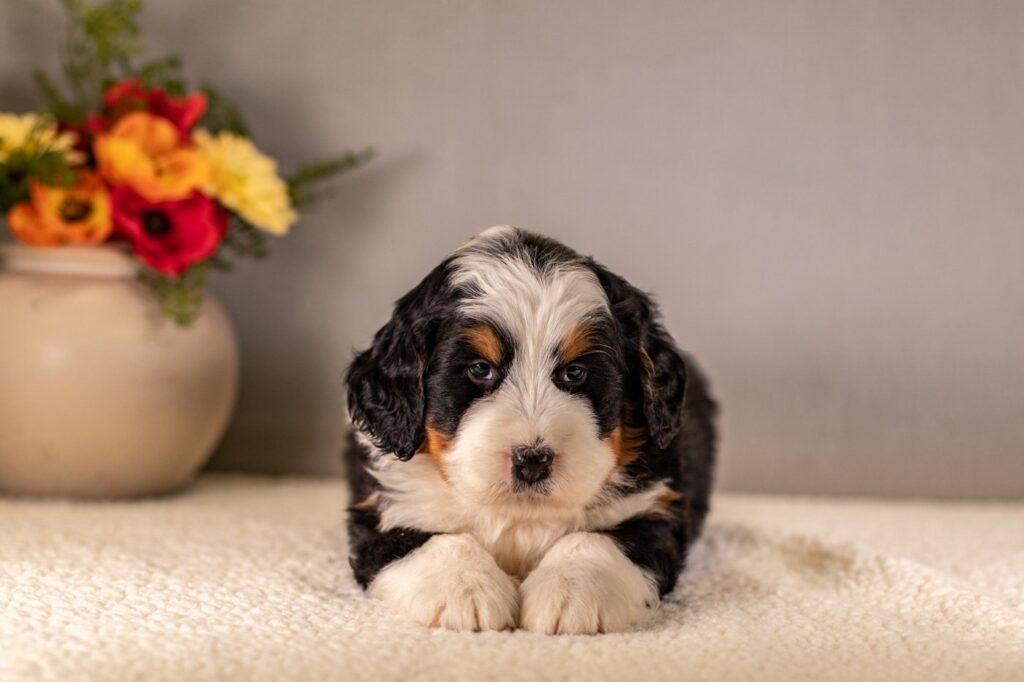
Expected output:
{"points": [[517, 371], [527, 409]]}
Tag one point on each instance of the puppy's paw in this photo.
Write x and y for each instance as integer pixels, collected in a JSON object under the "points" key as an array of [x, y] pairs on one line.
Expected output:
{"points": [[451, 582], [585, 585]]}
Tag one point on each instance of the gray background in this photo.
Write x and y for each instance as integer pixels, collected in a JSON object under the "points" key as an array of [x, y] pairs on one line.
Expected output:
{"points": [[826, 196]]}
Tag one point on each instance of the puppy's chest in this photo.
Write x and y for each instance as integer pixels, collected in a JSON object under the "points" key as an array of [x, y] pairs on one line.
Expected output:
{"points": [[518, 545], [516, 536]]}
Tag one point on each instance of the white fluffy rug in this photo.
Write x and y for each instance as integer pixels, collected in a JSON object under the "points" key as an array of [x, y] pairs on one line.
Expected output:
{"points": [[246, 578]]}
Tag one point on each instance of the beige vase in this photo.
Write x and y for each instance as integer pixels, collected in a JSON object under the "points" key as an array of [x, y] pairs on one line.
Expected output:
{"points": [[100, 394]]}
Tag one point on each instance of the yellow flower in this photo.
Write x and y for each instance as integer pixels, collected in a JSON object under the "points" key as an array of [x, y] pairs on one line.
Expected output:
{"points": [[245, 180], [144, 152], [32, 132]]}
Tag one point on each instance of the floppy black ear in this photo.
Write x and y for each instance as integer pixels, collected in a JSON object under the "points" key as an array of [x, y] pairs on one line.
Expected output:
{"points": [[651, 356], [385, 382]]}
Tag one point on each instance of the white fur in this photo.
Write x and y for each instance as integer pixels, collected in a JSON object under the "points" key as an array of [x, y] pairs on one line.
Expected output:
{"points": [[585, 585], [452, 582]]}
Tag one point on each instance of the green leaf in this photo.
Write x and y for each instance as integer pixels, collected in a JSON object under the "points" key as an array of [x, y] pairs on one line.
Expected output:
{"points": [[101, 40], [242, 240], [13, 186], [36, 161], [303, 182], [163, 73], [222, 113], [181, 297], [62, 109]]}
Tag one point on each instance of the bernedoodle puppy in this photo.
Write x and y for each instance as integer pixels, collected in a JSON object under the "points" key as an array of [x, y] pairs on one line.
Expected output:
{"points": [[530, 448]]}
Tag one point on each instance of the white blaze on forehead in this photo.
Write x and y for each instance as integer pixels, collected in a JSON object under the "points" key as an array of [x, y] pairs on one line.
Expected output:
{"points": [[538, 304]]}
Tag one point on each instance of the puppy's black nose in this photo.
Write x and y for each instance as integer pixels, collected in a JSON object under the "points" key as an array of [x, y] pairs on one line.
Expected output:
{"points": [[532, 463]]}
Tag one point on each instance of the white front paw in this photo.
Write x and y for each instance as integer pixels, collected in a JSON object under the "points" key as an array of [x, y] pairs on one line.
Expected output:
{"points": [[585, 585], [451, 582]]}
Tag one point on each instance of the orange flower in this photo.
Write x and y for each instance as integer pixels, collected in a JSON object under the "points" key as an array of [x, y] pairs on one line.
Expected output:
{"points": [[77, 214], [143, 151]]}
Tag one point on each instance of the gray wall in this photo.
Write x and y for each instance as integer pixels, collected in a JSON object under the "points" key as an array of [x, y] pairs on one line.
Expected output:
{"points": [[827, 197]]}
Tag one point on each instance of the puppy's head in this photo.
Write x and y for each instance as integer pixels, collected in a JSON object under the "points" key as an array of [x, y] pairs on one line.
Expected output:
{"points": [[526, 372]]}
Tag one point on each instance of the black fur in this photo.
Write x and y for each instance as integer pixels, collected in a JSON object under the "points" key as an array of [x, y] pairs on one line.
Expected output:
{"points": [[447, 392], [657, 544], [385, 382], [371, 549], [651, 356], [678, 415], [607, 374]]}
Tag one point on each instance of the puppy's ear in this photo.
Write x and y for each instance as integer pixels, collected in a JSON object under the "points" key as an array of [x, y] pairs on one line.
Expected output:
{"points": [[652, 358], [385, 382]]}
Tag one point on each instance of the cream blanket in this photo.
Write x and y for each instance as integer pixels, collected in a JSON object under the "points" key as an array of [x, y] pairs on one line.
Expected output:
{"points": [[246, 578]]}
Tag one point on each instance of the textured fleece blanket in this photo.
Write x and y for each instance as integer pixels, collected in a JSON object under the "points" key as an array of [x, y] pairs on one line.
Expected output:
{"points": [[246, 578]]}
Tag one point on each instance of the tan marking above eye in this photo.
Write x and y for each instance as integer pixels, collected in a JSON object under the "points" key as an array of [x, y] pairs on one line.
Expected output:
{"points": [[485, 341], [578, 341]]}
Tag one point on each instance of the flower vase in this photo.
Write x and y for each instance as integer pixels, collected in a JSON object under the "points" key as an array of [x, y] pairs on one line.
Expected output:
{"points": [[101, 395]]}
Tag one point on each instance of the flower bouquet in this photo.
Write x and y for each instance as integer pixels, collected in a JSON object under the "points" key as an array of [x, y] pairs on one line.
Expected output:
{"points": [[128, 153]]}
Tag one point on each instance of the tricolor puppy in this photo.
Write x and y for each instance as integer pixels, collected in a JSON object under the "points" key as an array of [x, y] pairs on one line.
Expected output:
{"points": [[530, 446]]}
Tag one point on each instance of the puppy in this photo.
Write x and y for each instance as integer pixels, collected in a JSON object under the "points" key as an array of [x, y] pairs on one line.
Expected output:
{"points": [[530, 448]]}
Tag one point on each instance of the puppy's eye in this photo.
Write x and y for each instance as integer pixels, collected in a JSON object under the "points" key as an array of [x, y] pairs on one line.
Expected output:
{"points": [[481, 371], [573, 375]]}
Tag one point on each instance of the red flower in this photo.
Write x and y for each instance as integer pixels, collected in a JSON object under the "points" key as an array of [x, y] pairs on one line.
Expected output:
{"points": [[94, 124], [183, 112], [130, 95], [169, 236], [126, 95]]}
